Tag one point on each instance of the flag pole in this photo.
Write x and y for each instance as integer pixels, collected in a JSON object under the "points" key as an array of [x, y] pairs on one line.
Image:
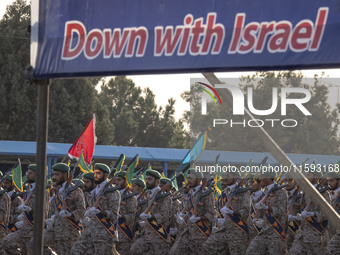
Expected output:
{"points": [[42, 133]]}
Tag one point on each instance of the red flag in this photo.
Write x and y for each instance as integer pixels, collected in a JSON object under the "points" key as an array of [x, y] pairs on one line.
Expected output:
{"points": [[85, 142]]}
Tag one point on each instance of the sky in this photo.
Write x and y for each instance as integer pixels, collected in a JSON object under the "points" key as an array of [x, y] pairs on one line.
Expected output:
{"points": [[166, 86]]}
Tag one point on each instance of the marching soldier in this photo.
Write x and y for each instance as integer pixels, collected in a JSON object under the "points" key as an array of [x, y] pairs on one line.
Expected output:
{"points": [[257, 194], [5, 206], [127, 215], [15, 202], [333, 247], [138, 186], [172, 228], [198, 215], [313, 235], [100, 235], [272, 237], [70, 208], [21, 239], [155, 239], [294, 202], [89, 187], [232, 233]]}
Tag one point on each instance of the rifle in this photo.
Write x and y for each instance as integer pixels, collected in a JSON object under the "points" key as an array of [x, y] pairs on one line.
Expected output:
{"points": [[238, 189], [77, 183], [204, 184], [67, 187], [2, 191], [104, 190], [128, 195], [320, 184]]}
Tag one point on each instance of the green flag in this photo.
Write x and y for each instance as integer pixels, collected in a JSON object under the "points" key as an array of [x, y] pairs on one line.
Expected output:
{"points": [[17, 176], [83, 165], [119, 163], [130, 170]]}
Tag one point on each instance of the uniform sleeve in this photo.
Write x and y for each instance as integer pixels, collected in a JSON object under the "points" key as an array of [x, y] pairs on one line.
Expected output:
{"points": [[244, 206], [279, 204], [4, 207], [79, 208], [15, 203], [131, 210], [162, 212], [208, 207], [112, 206]]}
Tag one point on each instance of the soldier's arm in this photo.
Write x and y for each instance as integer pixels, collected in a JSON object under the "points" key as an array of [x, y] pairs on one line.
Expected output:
{"points": [[280, 206], [4, 207], [15, 203], [131, 211], [162, 213], [113, 201], [208, 207], [78, 199], [244, 208], [47, 204]]}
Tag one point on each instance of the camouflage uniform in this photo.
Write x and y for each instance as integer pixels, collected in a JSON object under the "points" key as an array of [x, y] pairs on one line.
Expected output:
{"points": [[268, 241], [141, 206], [229, 237], [15, 202], [308, 240], [128, 208], [151, 242], [64, 232], [88, 198], [333, 247], [96, 237], [332, 197], [254, 198], [21, 239], [5, 207], [191, 239], [296, 208], [173, 223]]}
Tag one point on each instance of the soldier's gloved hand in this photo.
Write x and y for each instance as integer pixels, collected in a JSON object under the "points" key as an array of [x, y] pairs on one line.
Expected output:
{"points": [[19, 224], [86, 222], [180, 220], [21, 217], [298, 217], [145, 216], [92, 211], [142, 223], [259, 223], [305, 214], [291, 217], [261, 205], [180, 214], [254, 220], [65, 213], [24, 208], [119, 215], [220, 221], [49, 224], [173, 231], [226, 210], [194, 219]]}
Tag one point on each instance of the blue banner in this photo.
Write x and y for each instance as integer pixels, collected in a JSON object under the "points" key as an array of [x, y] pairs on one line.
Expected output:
{"points": [[109, 37]]}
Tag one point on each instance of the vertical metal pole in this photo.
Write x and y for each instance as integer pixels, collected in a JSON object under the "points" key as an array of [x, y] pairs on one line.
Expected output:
{"points": [[165, 168], [42, 133]]}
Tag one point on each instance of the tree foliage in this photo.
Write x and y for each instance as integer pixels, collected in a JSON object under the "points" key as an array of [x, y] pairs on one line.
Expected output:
{"points": [[316, 134], [126, 115]]}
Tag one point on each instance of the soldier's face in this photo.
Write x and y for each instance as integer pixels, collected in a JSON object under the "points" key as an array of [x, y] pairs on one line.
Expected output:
{"points": [[254, 186], [227, 181], [30, 176], [193, 181], [7, 185], [59, 177], [135, 188], [333, 184], [265, 181], [119, 181], [151, 182], [291, 184], [88, 184], [99, 176]]}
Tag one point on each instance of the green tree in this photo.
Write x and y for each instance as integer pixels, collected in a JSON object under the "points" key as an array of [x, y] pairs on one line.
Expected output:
{"points": [[137, 119], [72, 101], [316, 134]]}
